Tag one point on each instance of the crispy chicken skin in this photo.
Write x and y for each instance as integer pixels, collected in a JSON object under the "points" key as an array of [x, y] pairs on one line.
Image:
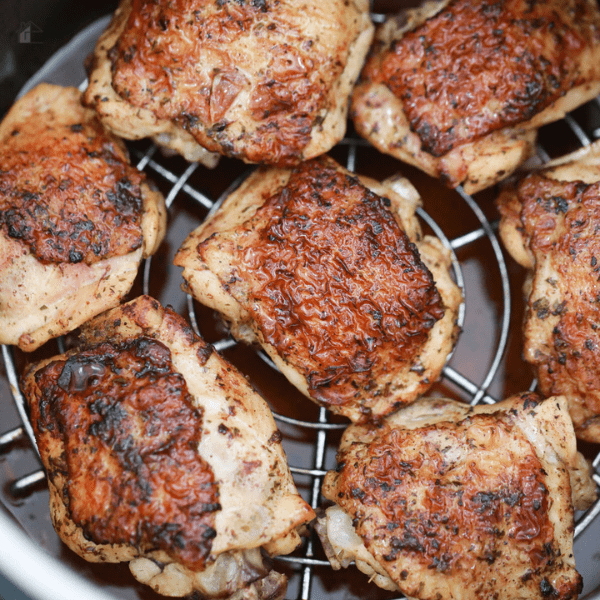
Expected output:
{"points": [[265, 81], [76, 218], [550, 220], [442, 500], [459, 88], [159, 452], [330, 274]]}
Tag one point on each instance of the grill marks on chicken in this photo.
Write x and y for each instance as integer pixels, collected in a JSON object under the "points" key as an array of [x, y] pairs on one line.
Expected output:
{"points": [[459, 89], [261, 81], [455, 502], [317, 266], [550, 223], [314, 258], [68, 192], [130, 435]]}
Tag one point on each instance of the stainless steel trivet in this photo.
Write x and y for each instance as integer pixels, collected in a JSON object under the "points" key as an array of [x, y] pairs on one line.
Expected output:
{"points": [[485, 365]]}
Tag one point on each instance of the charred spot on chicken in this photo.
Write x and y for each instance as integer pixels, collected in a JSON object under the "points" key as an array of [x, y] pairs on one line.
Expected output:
{"points": [[159, 453], [130, 431]]}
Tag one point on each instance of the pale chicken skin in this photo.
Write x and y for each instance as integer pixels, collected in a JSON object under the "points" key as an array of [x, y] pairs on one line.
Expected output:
{"points": [[331, 275], [442, 500], [460, 88], [160, 454], [76, 219], [550, 221], [265, 81]]}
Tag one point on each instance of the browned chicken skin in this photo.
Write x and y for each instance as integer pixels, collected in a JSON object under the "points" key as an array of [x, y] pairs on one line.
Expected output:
{"points": [[130, 431], [442, 500], [265, 81], [550, 222], [316, 265], [458, 88], [76, 218], [70, 195], [159, 453]]}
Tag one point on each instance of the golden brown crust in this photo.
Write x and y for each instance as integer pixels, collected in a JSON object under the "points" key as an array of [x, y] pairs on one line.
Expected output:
{"points": [[128, 472], [556, 223], [75, 217], [158, 452], [457, 502], [474, 68], [262, 81], [475, 79], [317, 267], [444, 529], [323, 259], [67, 190]]}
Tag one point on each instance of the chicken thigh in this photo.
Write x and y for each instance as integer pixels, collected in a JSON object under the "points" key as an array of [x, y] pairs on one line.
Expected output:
{"points": [[158, 452], [550, 222], [442, 500], [458, 88], [76, 218], [331, 275], [261, 80]]}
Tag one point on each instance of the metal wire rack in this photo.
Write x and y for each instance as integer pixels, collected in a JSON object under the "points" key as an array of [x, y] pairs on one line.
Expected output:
{"points": [[191, 192]]}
